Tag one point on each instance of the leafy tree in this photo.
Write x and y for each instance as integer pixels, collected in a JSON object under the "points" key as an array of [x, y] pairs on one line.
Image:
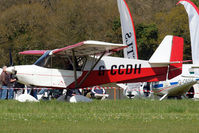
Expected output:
{"points": [[23, 28], [196, 2], [175, 22], [147, 36], [49, 24]]}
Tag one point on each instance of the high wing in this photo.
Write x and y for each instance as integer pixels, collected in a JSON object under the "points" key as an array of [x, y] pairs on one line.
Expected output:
{"points": [[82, 49]]}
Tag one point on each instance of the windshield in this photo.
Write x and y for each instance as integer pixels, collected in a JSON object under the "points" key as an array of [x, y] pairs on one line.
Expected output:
{"points": [[43, 59]]}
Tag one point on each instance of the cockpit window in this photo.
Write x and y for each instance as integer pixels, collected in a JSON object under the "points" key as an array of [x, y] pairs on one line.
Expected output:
{"points": [[60, 62]]}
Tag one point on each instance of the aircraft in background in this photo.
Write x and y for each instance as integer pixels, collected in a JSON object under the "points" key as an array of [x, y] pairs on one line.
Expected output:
{"points": [[177, 86], [181, 84], [174, 87], [84, 65]]}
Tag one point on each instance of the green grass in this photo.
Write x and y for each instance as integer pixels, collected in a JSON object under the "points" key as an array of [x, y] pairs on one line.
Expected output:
{"points": [[100, 116]]}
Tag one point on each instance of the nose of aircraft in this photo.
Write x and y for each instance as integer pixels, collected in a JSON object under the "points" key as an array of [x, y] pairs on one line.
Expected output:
{"points": [[10, 70]]}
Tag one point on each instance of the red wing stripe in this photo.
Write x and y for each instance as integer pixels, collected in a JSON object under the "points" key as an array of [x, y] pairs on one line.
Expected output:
{"points": [[33, 52], [68, 47]]}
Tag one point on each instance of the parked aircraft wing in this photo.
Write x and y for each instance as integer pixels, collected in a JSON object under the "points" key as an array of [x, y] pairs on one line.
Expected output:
{"points": [[82, 48]]}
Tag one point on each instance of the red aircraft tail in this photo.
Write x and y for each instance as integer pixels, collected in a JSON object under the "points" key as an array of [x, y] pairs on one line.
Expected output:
{"points": [[176, 55]]}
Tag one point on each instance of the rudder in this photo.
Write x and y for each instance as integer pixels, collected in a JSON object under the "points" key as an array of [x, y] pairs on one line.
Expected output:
{"points": [[170, 52], [176, 55]]}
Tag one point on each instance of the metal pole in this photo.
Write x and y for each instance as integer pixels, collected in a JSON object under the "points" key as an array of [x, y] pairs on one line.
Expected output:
{"points": [[115, 97]]}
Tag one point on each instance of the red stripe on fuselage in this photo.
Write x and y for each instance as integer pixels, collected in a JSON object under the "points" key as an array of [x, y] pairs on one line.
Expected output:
{"points": [[44, 75], [145, 75]]}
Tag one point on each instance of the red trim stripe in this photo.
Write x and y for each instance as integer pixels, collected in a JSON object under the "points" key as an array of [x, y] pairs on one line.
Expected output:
{"points": [[33, 52], [48, 75], [68, 47]]}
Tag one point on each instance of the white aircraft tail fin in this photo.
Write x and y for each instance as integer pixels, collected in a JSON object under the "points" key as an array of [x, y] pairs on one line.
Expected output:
{"points": [[170, 52]]}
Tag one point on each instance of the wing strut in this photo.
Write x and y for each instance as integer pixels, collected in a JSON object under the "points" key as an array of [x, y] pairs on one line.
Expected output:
{"points": [[87, 74], [74, 67], [163, 97]]}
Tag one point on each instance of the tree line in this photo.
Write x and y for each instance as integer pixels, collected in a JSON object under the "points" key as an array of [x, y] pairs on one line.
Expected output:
{"points": [[50, 24]]}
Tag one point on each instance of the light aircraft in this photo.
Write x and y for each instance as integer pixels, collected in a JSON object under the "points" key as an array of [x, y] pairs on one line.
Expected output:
{"points": [[177, 86], [190, 76], [84, 65], [182, 83]]}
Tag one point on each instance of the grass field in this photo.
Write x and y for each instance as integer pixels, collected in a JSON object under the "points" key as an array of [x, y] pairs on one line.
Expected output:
{"points": [[100, 116]]}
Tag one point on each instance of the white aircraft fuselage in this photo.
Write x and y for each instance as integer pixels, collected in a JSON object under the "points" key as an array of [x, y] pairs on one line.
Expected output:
{"points": [[178, 85], [108, 70], [76, 68]]}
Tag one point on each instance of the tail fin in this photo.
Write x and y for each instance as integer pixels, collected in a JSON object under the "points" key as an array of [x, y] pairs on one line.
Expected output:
{"points": [[170, 52]]}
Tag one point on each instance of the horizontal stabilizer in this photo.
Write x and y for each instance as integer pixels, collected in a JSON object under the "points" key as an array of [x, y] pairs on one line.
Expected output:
{"points": [[166, 62], [172, 62], [195, 66]]}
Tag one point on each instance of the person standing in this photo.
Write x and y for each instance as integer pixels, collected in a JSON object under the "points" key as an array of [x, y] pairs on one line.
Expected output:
{"points": [[6, 82], [11, 87]]}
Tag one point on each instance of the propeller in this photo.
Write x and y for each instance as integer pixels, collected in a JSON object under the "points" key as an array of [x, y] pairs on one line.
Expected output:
{"points": [[11, 68]]}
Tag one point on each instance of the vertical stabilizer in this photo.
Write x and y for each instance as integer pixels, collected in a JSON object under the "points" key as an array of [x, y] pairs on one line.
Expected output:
{"points": [[176, 55], [170, 52]]}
